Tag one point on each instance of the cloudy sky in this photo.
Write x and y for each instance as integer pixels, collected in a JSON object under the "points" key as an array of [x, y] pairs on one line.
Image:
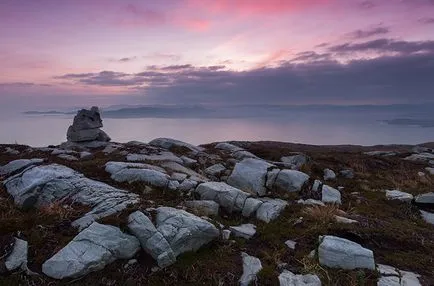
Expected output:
{"points": [[77, 52]]}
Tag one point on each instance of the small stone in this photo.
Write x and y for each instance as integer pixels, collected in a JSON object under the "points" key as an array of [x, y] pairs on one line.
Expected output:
{"points": [[226, 234], [291, 244], [341, 219], [245, 230], [329, 175]]}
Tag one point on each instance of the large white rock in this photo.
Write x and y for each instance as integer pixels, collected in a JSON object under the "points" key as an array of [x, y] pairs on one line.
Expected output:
{"points": [[290, 180], [203, 207], [150, 177], [330, 195], [287, 278], [39, 186], [270, 209], [228, 197], [251, 266], [336, 252], [91, 250], [398, 195], [421, 157], [244, 230], [250, 176], [18, 257], [18, 165], [168, 143], [151, 240], [184, 231]]}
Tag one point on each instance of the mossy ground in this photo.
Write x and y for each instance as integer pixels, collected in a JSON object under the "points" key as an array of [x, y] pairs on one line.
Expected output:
{"points": [[394, 231]]}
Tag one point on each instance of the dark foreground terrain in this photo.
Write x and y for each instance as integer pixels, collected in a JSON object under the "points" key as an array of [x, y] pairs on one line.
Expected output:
{"points": [[394, 230]]}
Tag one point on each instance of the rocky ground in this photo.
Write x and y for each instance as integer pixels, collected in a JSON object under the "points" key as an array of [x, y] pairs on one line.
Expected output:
{"points": [[232, 213]]}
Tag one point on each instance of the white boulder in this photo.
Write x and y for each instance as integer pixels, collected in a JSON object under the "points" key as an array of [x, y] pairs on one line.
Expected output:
{"points": [[287, 278], [336, 252], [91, 250], [290, 180], [250, 175]]}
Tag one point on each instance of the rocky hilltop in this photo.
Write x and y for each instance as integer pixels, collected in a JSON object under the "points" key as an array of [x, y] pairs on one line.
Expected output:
{"points": [[94, 212]]}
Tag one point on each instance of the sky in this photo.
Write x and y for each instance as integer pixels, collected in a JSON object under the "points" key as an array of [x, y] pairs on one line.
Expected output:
{"points": [[218, 52]]}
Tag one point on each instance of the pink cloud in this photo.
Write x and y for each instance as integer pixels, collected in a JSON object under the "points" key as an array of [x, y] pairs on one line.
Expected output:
{"points": [[249, 7], [196, 25]]}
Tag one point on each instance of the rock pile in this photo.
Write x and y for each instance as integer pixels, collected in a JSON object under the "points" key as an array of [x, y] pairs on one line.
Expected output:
{"points": [[86, 127]]}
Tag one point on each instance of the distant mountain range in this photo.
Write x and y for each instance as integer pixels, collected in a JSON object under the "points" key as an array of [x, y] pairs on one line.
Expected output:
{"points": [[398, 114]]}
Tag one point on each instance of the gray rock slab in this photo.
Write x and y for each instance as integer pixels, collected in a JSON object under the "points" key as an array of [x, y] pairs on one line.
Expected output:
{"points": [[290, 180], [91, 250], [251, 267], [228, 197], [250, 176], [336, 252]]}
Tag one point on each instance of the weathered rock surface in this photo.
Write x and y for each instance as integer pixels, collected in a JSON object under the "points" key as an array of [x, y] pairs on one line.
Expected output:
{"points": [[290, 180], [426, 199], [18, 165], [244, 231], [184, 231], [40, 186], [168, 143], [86, 127], [287, 278], [270, 209], [91, 250], [336, 252], [251, 266], [398, 195], [295, 161], [390, 276], [329, 175], [159, 157], [17, 259], [151, 240], [215, 170], [228, 197], [420, 157], [250, 176]]}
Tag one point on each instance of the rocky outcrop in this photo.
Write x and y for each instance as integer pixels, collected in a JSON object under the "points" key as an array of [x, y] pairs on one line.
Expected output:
{"points": [[184, 231], [250, 176], [295, 161], [92, 249], [151, 240], [336, 252], [228, 197], [39, 186], [18, 165], [86, 127]]}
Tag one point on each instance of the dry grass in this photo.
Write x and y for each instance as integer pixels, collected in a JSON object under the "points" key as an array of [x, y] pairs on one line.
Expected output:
{"points": [[322, 214]]}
